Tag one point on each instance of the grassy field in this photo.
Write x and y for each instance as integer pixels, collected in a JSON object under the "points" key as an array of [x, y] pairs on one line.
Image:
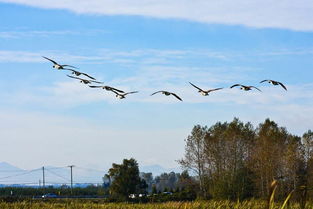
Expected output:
{"points": [[251, 204]]}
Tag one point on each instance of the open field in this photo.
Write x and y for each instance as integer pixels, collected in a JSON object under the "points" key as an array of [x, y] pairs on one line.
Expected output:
{"points": [[251, 204]]}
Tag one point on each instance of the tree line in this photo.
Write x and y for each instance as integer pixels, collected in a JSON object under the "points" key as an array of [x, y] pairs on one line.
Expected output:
{"points": [[234, 160], [125, 182]]}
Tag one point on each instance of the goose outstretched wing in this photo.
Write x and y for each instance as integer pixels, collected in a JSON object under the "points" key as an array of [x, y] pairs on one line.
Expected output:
{"points": [[235, 85], [264, 80], [214, 89], [157, 92], [175, 95], [69, 66], [54, 62], [255, 88], [282, 85], [132, 92], [196, 86], [76, 77]]}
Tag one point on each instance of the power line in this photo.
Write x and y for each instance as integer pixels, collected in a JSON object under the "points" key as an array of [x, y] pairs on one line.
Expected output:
{"points": [[27, 172], [75, 182], [13, 171], [90, 169], [71, 166], [55, 168], [43, 177], [51, 183], [57, 174]]}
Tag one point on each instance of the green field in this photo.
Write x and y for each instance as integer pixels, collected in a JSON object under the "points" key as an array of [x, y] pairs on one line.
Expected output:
{"points": [[253, 204]]}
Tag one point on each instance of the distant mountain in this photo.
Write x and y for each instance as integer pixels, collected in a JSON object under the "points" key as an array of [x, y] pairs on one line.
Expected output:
{"points": [[6, 167]]}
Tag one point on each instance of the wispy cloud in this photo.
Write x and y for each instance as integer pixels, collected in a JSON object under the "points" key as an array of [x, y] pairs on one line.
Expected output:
{"points": [[42, 33], [19, 34], [141, 56], [255, 13], [59, 95], [291, 109], [20, 56], [36, 57], [144, 56]]}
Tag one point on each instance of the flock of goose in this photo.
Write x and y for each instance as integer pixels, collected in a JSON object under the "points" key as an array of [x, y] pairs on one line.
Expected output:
{"points": [[121, 94]]}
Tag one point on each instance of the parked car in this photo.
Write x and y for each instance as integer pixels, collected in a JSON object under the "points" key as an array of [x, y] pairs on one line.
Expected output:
{"points": [[132, 196], [49, 195]]}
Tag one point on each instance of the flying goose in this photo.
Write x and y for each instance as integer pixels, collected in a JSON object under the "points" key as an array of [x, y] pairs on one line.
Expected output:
{"points": [[85, 81], [108, 88], [275, 83], [166, 93], [246, 88], [77, 73], [203, 92], [57, 65], [123, 95]]}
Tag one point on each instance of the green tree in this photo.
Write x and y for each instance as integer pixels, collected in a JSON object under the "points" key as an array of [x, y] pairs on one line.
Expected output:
{"points": [[125, 179], [227, 149], [276, 155]]}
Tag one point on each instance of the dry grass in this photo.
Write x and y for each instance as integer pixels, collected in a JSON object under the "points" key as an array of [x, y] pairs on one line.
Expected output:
{"points": [[251, 204]]}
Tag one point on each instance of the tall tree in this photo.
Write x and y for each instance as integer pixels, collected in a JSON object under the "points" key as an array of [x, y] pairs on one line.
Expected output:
{"points": [[125, 179], [307, 141], [276, 155], [194, 158], [234, 160], [306, 176], [228, 148]]}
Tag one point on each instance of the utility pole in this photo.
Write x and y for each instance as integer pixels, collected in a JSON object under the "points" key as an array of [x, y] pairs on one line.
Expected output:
{"points": [[43, 177], [71, 166]]}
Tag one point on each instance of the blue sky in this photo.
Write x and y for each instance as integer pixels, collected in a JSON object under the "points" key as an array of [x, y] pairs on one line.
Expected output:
{"points": [[50, 119]]}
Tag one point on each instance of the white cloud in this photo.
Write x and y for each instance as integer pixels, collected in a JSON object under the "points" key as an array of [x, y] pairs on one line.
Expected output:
{"points": [[42, 33], [143, 56], [66, 94], [17, 34], [19, 56], [36, 57], [287, 52], [289, 14]]}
